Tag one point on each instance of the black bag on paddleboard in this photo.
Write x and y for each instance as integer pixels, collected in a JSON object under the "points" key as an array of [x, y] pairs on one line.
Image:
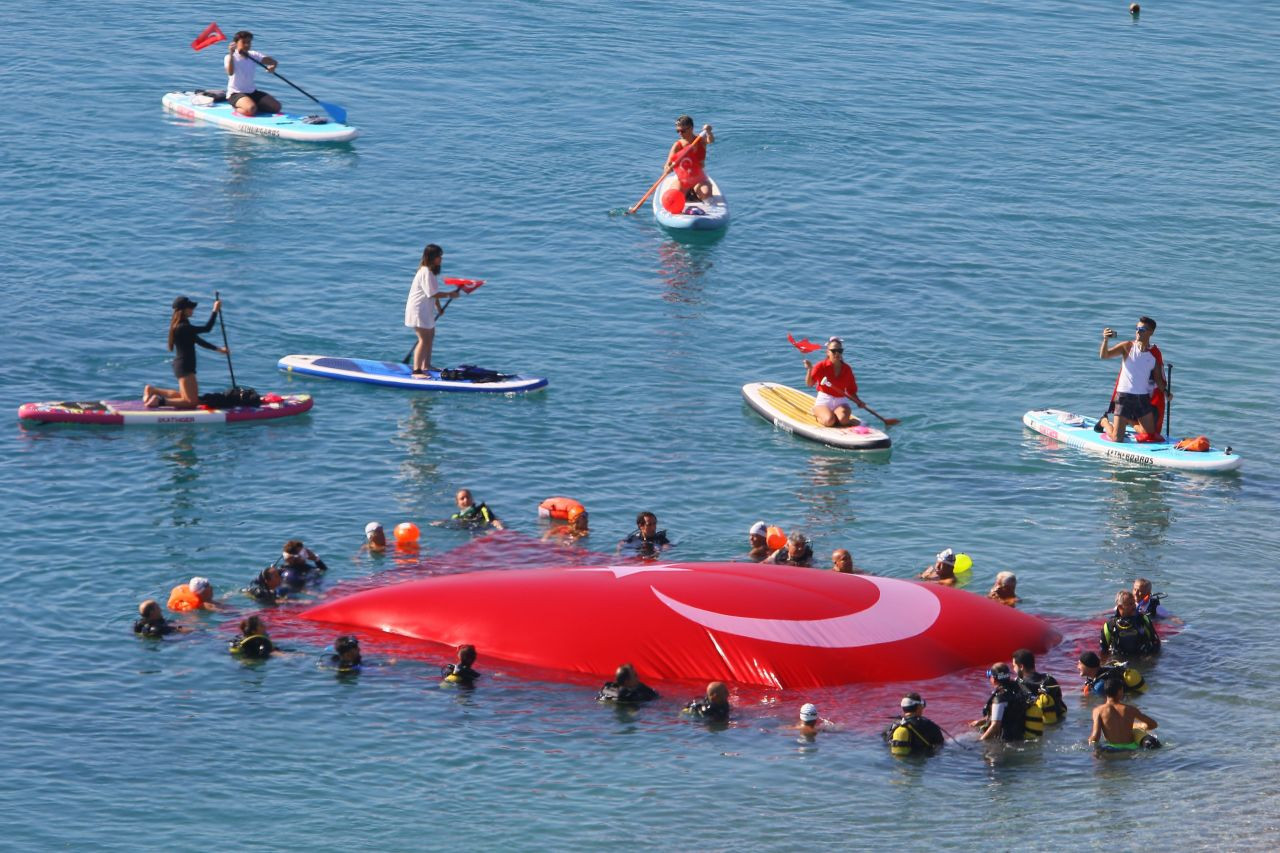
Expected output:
{"points": [[471, 373], [218, 95], [231, 398]]}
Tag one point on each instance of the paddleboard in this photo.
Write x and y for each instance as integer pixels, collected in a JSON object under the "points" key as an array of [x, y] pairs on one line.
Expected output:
{"points": [[1077, 431], [300, 128], [399, 375], [792, 410], [133, 413], [708, 215]]}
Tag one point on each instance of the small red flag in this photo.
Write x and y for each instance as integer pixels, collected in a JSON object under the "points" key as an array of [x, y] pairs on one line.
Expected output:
{"points": [[466, 285], [804, 345], [210, 35]]}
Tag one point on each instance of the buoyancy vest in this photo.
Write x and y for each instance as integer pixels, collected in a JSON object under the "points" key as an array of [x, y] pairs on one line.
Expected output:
{"points": [[613, 692], [476, 515], [1022, 718], [1133, 635], [252, 646], [1134, 683], [1047, 693], [705, 709], [456, 673], [914, 736], [157, 628]]}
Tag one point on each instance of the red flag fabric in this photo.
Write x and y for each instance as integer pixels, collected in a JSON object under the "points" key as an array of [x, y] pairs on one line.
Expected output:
{"points": [[210, 35], [688, 163], [466, 285], [804, 345]]}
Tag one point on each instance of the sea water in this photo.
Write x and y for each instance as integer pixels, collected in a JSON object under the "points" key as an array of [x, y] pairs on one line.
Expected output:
{"points": [[966, 192]]}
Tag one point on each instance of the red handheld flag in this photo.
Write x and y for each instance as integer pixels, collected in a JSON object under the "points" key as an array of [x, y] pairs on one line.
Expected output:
{"points": [[466, 285], [210, 35], [804, 345]]}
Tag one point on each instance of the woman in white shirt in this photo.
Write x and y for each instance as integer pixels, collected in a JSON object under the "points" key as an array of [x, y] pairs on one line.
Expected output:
{"points": [[423, 306]]}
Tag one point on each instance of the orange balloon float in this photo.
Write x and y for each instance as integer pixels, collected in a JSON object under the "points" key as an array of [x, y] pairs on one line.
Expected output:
{"points": [[560, 508], [407, 533], [776, 537], [673, 201]]}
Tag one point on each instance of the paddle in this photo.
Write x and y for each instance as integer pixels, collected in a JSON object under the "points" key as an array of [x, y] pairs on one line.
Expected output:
{"points": [[665, 172], [1168, 400], [807, 346], [465, 285], [225, 345]]}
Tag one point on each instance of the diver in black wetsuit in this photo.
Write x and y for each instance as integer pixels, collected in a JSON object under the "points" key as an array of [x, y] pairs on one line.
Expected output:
{"points": [[626, 689], [183, 338], [299, 564], [646, 540], [151, 621], [715, 706], [252, 641], [347, 657], [461, 672], [266, 587]]}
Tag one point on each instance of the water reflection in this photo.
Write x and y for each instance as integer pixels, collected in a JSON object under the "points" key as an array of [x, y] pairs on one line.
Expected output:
{"points": [[682, 267], [1137, 521], [418, 467], [178, 452]]}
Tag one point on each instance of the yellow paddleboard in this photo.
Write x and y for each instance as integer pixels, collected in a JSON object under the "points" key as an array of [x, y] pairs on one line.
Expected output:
{"points": [[792, 410]]}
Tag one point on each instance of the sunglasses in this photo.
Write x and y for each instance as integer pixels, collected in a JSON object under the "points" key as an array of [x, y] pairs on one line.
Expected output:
{"points": [[1140, 328], [836, 350]]}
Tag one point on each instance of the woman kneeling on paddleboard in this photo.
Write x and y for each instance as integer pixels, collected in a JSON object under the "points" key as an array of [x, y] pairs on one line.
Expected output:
{"points": [[183, 338], [836, 387]]}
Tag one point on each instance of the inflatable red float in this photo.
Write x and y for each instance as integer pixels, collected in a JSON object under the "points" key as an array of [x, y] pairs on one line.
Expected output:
{"points": [[772, 626]]}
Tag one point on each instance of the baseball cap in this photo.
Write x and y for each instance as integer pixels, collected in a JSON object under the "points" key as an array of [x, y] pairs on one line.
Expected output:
{"points": [[183, 302], [759, 529], [809, 712]]}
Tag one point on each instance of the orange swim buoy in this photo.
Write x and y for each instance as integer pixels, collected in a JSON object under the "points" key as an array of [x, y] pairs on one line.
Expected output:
{"points": [[673, 201], [183, 600], [560, 508], [776, 537]]}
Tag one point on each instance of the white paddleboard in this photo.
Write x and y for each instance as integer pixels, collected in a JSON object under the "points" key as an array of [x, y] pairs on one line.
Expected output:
{"points": [[792, 410]]}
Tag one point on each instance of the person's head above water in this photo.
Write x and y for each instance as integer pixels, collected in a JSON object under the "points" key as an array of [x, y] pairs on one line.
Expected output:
{"points": [[1141, 588], [432, 258], [578, 519], [842, 561], [374, 533], [684, 123], [647, 523], [1088, 664], [251, 625], [201, 587], [1126, 605], [1000, 673], [466, 654], [1006, 584], [271, 577], [912, 704], [1113, 688], [150, 610], [626, 676], [809, 713], [758, 535], [718, 693], [463, 498], [348, 649]]}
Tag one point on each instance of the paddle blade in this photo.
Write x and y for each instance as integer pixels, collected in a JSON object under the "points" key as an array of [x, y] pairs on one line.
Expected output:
{"points": [[210, 35], [335, 112], [466, 285], [804, 345]]}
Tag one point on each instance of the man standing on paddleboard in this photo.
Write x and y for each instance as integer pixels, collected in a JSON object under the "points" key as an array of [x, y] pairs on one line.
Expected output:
{"points": [[242, 93], [1140, 374]]}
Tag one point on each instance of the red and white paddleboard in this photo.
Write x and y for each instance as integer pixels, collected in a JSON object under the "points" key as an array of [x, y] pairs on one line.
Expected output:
{"points": [[133, 413]]}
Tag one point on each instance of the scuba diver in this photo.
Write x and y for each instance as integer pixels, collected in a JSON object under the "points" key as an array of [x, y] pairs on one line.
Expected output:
{"points": [[797, 552], [1148, 604], [913, 733], [252, 641], [461, 673], [646, 540], [347, 654], [1095, 675], [471, 514], [1043, 689], [1128, 632], [299, 564], [626, 689], [151, 621], [1113, 723], [266, 587], [1010, 714], [713, 706]]}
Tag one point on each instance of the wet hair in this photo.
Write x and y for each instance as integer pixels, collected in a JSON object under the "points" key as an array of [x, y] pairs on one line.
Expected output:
{"points": [[293, 546], [243, 34], [625, 673], [466, 654], [251, 625], [430, 254], [684, 121], [1114, 687], [797, 537], [1090, 659], [1000, 671], [645, 516], [1024, 657], [1148, 322]]}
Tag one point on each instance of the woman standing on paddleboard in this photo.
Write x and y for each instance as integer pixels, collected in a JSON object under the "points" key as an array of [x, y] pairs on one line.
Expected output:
{"points": [[423, 306], [183, 338]]}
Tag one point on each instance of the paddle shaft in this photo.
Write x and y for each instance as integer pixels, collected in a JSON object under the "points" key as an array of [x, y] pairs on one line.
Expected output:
{"points": [[439, 313], [226, 346], [665, 172], [329, 108], [877, 414], [1168, 401]]}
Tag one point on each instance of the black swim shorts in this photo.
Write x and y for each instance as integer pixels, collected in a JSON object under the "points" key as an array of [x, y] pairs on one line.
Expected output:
{"points": [[1133, 407], [256, 96]]}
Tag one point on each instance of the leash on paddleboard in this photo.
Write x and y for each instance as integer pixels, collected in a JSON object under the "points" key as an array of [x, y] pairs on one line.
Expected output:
{"points": [[226, 346]]}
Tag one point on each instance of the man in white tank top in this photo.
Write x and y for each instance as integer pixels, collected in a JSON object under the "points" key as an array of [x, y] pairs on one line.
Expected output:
{"points": [[1140, 374]]}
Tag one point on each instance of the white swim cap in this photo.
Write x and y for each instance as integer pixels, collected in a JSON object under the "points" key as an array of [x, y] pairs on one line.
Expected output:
{"points": [[809, 712], [371, 528], [759, 529], [947, 556], [198, 585]]}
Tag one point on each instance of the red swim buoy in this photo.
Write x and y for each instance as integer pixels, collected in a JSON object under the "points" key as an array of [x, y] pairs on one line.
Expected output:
{"points": [[774, 626], [673, 201], [560, 508]]}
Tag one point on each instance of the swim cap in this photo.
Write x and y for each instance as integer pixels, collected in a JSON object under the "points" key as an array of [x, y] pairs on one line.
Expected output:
{"points": [[947, 556], [911, 700], [809, 712], [371, 528], [759, 529], [198, 585]]}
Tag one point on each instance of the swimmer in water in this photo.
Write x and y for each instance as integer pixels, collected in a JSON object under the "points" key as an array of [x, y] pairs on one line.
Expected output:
{"points": [[1005, 589], [472, 514], [943, 570], [151, 621], [195, 594], [758, 542], [252, 641], [810, 721], [713, 706], [914, 733], [797, 551], [578, 526], [646, 540], [842, 562], [375, 538], [266, 587], [461, 672], [1114, 722], [299, 564], [626, 689], [347, 657]]}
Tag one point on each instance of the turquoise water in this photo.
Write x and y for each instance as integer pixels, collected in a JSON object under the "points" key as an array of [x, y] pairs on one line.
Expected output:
{"points": [[967, 192]]}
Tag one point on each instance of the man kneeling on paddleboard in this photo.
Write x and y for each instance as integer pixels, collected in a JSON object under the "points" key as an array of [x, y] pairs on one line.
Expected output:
{"points": [[1141, 373], [241, 63]]}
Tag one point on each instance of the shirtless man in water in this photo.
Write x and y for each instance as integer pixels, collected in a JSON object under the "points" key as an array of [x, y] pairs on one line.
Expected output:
{"points": [[1113, 721]]}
